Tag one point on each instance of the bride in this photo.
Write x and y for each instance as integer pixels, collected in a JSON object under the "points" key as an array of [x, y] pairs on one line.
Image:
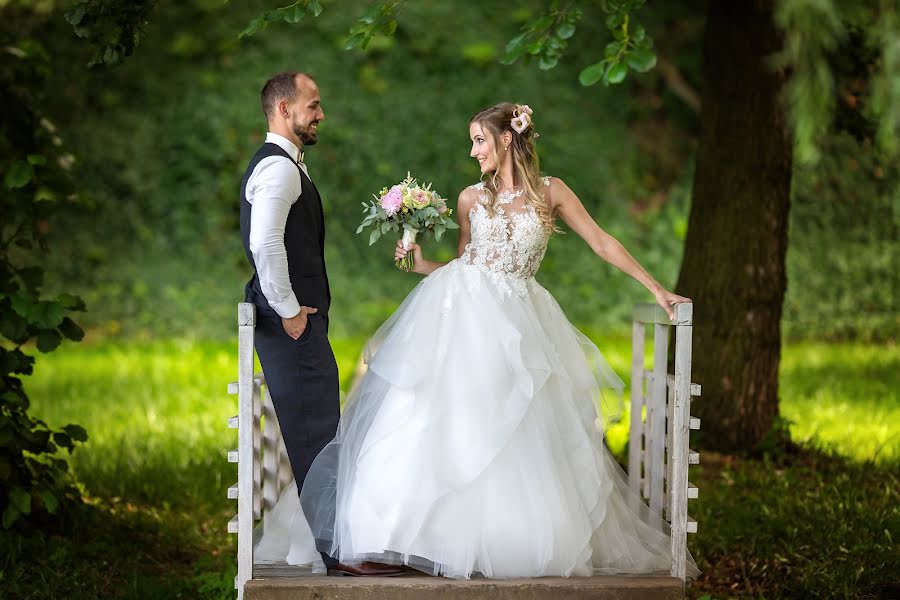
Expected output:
{"points": [[470, 444]]}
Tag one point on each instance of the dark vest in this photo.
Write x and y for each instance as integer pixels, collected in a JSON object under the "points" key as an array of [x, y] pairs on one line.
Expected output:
{"points": [[304, 240]]}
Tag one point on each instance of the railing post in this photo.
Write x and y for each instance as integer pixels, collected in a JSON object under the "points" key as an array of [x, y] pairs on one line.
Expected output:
{"points": [[678, 444], [246, 392]]}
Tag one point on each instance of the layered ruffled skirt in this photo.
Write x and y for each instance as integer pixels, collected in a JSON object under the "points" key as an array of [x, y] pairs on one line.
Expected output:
{"points": [[471, 446]]}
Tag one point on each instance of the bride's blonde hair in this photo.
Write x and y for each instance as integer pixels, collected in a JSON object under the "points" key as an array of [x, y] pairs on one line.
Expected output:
{"points": [[526, 166]]}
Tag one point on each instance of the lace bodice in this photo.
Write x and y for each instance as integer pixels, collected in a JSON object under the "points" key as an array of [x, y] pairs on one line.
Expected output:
{"points": [[510, 245]]}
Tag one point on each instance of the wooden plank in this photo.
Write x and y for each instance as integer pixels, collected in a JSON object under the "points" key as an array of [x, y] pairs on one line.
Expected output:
{"points": [[246, 390], [270, 454], [670, 424], [691, 525], [258, 380], [233, 422], [693, 457], [233, 524], [695, 387], [233, 456], [635, 431], [645, 434], [233, 492], [679, 452], [694, 423], [654, 313], [657, 418], [257, 453], [693, 491]]}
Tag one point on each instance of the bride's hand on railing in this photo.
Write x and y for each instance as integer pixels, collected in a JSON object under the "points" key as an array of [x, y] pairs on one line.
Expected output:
{"points": [[418, 260], [667, 300]]}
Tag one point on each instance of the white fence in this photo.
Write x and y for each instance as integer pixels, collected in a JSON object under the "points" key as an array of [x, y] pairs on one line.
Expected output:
{"points": [[658, 449]]}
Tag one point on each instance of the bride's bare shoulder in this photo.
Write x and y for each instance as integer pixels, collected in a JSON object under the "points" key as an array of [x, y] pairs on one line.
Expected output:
{"points": [[469, 196]]}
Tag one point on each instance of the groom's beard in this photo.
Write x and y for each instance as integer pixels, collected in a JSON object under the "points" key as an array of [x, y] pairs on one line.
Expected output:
{"points": [[303, 134]]}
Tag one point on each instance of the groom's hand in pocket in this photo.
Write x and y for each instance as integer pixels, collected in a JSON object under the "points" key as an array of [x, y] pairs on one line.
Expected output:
{"points": [[296, 325]]}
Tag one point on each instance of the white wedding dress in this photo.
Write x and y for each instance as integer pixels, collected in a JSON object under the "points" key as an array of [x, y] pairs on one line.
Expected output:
{"points": [[471, 444]]}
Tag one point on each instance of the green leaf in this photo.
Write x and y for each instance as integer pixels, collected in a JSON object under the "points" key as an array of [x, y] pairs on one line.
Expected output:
{"points": [[32, 277], [18, 175], [75, 15], [514, 49], [314, 7], [13, 327], [373, 237], [71, 302], [48, 340], [638, 33], [71, 330], [547, 62], [543, 23], [612, 49], [616, 73], [641, 60], [566, 30], [294, 14], [615, 20], [21, 499], [254, 27], [10, 516], [76, 432], [592, 74], [49, 501], [62, 439], [37, 159]]}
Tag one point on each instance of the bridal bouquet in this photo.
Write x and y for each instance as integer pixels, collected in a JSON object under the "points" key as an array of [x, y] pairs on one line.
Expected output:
{"points": [[408, 205]]}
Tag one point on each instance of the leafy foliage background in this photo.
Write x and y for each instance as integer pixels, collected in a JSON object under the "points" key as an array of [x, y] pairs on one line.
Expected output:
{"points": [[163, 139]]}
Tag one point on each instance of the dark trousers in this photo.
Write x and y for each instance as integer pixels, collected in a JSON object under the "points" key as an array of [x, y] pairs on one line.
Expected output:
{"points": [[302, 377]]}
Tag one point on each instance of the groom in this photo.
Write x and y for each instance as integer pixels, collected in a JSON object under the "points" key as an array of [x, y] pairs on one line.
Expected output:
{"points": [[283, 229]]}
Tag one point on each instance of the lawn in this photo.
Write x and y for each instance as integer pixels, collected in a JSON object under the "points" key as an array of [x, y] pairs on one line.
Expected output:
{"points": [[154, 472]]}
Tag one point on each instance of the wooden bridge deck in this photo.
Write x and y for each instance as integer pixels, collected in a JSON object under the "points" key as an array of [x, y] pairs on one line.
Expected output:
{"points": [[284, 582]]}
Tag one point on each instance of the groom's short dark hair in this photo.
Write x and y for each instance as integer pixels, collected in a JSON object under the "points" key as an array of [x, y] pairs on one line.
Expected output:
{"points": [[281, 86]]}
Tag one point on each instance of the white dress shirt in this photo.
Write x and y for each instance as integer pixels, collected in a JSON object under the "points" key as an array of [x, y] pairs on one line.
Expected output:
{"points": [[273, 187]]}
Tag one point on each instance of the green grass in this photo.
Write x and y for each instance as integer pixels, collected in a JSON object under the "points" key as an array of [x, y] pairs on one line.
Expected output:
{"points": [[155, 474]]}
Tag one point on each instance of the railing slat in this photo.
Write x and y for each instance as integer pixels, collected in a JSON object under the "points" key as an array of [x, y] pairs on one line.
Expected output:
{"points": [[657, 416], [635, 433]]}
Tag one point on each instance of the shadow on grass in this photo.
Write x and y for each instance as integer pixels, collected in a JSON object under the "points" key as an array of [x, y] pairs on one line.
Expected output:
{"points": [[115, 549], [813, 524]]}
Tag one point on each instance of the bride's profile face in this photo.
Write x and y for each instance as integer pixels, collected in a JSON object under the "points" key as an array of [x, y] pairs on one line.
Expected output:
{"points": [[484, 148]]}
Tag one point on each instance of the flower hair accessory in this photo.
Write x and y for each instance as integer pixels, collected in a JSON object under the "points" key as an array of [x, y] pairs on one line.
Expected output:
{"points": [[521, 120]]}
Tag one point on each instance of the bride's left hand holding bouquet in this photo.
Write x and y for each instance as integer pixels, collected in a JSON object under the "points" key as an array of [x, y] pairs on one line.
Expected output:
{"points": [[409, 206]]}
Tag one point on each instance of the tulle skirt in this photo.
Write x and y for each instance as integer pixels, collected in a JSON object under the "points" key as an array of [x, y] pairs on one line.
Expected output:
{"points": [[473, 445]]}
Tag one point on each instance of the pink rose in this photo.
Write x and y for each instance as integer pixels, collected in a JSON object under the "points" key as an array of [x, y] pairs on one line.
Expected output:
{"points": [[392, 201]]}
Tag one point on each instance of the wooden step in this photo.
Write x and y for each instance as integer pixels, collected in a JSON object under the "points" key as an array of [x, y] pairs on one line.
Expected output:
{"points": [[440, 588]]}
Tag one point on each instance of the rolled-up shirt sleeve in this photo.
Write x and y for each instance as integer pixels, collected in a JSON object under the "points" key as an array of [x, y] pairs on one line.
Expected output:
{"points": [[273, 187]]}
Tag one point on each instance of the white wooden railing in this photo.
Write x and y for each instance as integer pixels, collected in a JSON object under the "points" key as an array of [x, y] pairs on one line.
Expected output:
{"points": [[658, 450], [658, 457], [264, 469]]}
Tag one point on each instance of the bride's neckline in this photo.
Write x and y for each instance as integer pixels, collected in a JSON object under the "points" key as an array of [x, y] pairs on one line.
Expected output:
{"points": [[509, 194]]}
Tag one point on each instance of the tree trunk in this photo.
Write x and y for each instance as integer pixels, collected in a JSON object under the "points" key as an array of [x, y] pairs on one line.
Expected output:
{"points": [[734, 258]]}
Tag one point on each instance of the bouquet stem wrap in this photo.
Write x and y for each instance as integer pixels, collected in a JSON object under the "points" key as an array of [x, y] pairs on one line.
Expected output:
{"points": [[407, 262]]}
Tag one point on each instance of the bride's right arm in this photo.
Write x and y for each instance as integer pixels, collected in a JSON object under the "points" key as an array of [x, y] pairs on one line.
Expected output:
{"points": [[426, 267]]}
